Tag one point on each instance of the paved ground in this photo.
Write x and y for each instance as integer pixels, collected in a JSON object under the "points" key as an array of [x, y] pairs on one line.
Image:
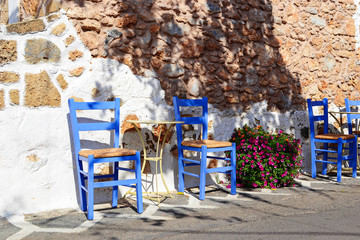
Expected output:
{"points": [[314, 209]]}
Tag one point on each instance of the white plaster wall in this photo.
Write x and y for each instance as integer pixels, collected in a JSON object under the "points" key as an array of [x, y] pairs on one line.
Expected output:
{"points": [[28, 187]]}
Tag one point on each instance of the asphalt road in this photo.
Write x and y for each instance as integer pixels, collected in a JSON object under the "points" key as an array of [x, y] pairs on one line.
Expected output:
{"points": [[314, 209]]}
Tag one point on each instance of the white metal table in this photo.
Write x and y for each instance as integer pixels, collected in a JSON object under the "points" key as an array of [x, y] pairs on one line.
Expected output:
{"points": [[158, 156], [339, 121]]}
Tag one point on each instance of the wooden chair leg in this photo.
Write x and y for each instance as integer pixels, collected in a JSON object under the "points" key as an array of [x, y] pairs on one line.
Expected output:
{"points": [[82, 186], [90, 211], [203, 172], [233, 171], [313, 163], [353, 147], [339, 159], [181, 170], [325, 158], [139, 197], [115, 189]]}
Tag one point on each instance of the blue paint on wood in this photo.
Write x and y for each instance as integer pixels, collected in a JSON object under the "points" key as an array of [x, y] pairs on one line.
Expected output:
{"points": [[184, 162], [323, 144], [87, 190]]}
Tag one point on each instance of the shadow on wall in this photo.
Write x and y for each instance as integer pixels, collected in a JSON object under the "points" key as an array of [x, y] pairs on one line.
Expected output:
{"points": [[225, 50]]}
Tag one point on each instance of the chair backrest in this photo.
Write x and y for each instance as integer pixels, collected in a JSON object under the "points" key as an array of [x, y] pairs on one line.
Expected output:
{"points": [[313, 118], [203, 119], [352, 106], [77, 126]]}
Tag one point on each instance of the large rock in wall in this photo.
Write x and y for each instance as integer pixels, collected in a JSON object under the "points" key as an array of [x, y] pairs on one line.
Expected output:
{"points": [[8, 51], [40, 91], [41, 50]]}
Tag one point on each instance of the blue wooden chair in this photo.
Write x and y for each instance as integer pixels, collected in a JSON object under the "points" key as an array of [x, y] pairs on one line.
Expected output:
{"points": [[327, 139], [353, 120], [203, 146], [108, 155]]}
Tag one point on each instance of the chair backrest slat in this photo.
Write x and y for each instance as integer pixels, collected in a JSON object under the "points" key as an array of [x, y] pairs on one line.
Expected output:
{"points": [[317, 103], [192, 102], [312, 118], [203, 120], [93, 105], [94, 126], [349, 105]]}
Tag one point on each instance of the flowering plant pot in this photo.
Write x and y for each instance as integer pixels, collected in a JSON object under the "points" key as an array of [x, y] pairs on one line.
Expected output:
{"points": [[266, 160]]}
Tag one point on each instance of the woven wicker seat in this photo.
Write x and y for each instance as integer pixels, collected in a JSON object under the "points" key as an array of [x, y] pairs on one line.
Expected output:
{"points": [[108, 152], [208, 143], [333, 136]]}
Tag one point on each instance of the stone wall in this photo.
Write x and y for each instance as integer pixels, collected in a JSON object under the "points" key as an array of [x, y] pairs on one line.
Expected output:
{"points": [[318, 43], [39, 90], [235, 52]]}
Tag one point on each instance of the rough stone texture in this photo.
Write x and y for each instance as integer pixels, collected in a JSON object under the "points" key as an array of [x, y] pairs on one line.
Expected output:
{"points": [[2, 99], [41, 50], [128, 127], [90, 39], [69, 40], [26, 27], [77, 99], [33, 158], [59, 29], [53, 17], [213, 163], [52, 6], [4, 12], [30, 9], [8, 51], [40, 91], [235, 52], [9, 77], [73, 55], [14, 96], [95, 92], [90, 25], [76, 72], [62, 82], [160, 131]]}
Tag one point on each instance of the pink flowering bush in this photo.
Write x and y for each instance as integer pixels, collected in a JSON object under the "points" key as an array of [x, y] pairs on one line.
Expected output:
{"points": [[266, 160]]}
